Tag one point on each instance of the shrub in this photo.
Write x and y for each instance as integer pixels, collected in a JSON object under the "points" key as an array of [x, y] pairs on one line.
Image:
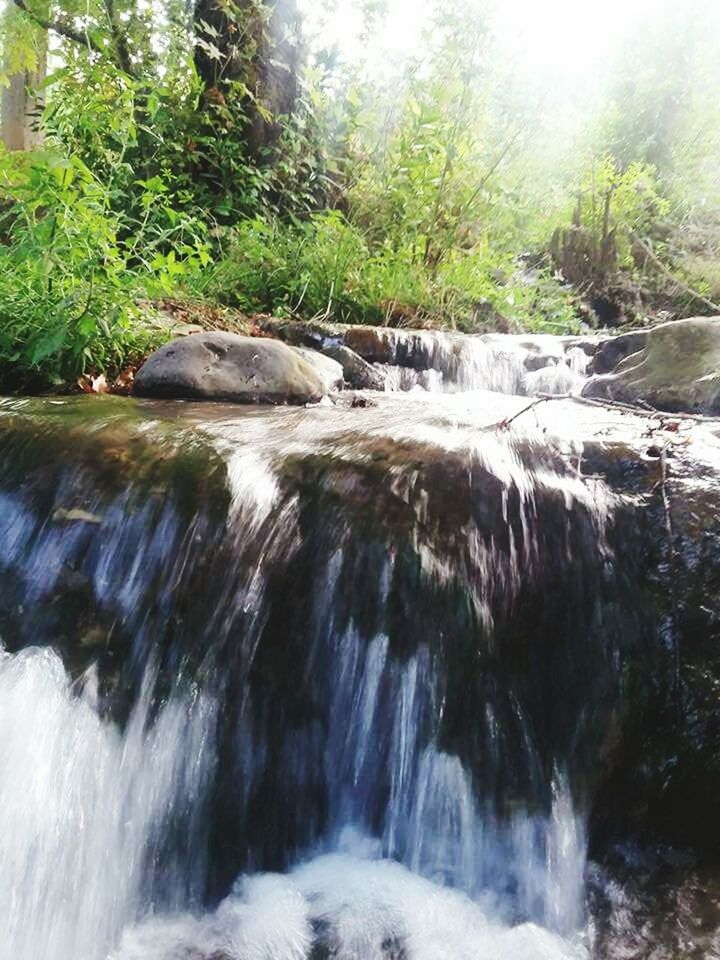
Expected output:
{"points": [[324, 267], [70, 269]]}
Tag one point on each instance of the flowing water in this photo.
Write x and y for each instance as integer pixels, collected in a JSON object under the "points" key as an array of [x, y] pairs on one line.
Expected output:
{"points": [[440, 362], [299, 684]]}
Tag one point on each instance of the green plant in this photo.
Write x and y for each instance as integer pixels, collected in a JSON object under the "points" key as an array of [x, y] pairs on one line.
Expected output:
{"points": [[310, 267], [70, 269], [211, 150], [324, 267]]}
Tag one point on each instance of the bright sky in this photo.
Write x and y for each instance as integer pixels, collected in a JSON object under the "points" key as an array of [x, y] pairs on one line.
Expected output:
{"points": [[562, 38], [569, 36]]}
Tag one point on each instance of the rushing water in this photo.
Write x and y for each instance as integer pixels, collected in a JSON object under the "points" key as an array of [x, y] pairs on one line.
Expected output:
{"points": [[441, 363], [87, 811], [343, 701]]}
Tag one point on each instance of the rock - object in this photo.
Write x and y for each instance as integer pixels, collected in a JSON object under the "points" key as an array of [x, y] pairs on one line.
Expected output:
{"points": [[358, 373], [676, 369], [227, 366], [328, 369], [611, 351]]}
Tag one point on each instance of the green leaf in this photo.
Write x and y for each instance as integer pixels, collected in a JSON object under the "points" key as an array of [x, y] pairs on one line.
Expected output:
{"points": [[46, 345]]}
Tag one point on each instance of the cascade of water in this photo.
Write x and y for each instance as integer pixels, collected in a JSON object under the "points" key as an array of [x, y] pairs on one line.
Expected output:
{"points": [[294, 691], [85, 811], [88, 815], [447, 363]]}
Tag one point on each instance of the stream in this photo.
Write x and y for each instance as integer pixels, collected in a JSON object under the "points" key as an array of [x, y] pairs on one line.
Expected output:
{"points": [[362, 680]]}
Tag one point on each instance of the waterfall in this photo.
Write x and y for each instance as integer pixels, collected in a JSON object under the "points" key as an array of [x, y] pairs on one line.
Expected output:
{"points": [[87, 813], [282, 684], [440, 361]]}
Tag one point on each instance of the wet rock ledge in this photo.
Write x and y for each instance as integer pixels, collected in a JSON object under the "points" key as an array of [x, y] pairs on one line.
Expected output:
{"points": [[567, 555], [674, 367]]}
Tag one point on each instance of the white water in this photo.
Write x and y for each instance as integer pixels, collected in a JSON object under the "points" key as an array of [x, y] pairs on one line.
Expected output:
{"points": [[521, 366], [101, 830], [84, 810], [365, 909]]}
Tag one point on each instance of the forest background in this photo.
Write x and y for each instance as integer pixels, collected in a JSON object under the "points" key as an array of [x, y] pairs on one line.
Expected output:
{"points": [[462, 164]]}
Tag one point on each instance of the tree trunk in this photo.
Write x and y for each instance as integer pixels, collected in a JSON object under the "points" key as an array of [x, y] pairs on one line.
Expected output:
{"points": [[19, 110], [266, 60]]}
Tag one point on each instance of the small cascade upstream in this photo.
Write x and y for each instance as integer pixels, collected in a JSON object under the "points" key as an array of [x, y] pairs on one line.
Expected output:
{"points": [[441, 362], [292, 684]]}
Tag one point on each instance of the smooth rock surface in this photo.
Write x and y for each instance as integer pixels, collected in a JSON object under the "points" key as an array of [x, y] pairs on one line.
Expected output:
{"points": [[677, 370], [329, 370], [358, 373], [226, 366]]}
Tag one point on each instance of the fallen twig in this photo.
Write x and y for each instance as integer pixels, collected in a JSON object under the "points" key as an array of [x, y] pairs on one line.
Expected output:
{"points": [[647, 411], [543, 398], [610, 404]]}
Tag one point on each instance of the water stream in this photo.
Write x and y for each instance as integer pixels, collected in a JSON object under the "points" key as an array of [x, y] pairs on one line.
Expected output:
{"points": [[444, 363], [285, 684]]}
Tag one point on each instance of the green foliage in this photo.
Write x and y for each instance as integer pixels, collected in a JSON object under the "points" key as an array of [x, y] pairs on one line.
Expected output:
{"points": [[630, 198], [325, 267], [69, 268], [196, 148], [21, 42], [422, 185], [311, 267]]}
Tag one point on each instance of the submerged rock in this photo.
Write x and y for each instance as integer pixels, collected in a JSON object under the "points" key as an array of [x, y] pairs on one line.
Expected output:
{"points": [[677, 369], [226, 366]]}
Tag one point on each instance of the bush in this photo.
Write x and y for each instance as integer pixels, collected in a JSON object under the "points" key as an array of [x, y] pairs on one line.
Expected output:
{"points": [[71, 268], [312, 268], [325, 268]]}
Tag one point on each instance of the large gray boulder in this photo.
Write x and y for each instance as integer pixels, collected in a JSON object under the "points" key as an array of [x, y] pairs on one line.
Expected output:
{"points": [[227, 366], [677, 369]]}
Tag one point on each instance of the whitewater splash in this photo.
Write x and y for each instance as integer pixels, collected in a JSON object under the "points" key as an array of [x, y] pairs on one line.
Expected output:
{"points": [[345, 906], [441, 362], [87, 815], [85, 810]]}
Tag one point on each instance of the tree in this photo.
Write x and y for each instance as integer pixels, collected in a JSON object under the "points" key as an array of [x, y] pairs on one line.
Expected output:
{"points": [[24, 67], [248, 57]]}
